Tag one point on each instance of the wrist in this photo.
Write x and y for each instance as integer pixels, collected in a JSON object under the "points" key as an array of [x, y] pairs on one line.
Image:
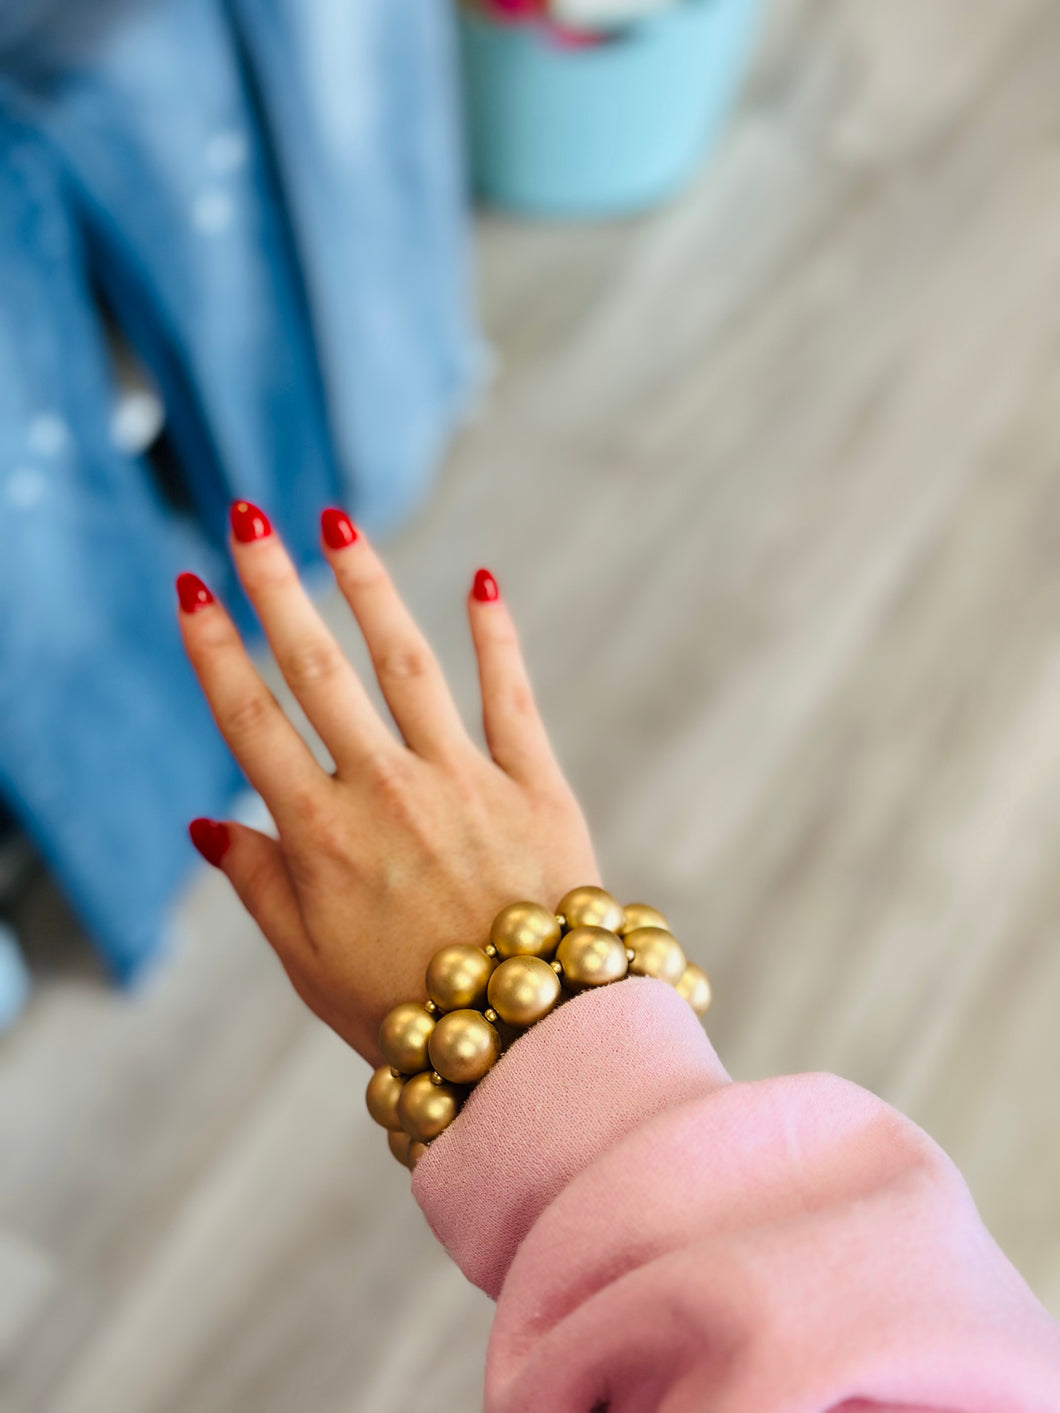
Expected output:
{"points": [[480, 999]]}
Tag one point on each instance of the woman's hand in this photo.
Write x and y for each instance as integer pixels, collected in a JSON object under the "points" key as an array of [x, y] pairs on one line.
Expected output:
{"points": [[410, 844]]}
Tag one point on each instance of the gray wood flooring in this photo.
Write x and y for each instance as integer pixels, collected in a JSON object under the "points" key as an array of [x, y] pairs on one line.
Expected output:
{"points": [[782, 463]]}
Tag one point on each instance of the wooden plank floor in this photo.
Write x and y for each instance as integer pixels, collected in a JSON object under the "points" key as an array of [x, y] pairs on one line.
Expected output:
{"points": [[780, 463]]}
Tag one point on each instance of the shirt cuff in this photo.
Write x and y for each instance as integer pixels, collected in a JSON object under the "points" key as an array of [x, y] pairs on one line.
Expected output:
{"points": [[577, 1082]]}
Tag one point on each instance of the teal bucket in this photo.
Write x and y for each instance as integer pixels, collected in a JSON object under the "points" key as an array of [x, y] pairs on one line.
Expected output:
{"points": [[603, 130]]}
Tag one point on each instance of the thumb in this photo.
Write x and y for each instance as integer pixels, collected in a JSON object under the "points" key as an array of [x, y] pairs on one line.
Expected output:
{"points": [[254, 865]]}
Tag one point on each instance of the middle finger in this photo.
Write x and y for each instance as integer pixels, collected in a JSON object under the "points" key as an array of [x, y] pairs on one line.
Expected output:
{"points": [[313, 665]]}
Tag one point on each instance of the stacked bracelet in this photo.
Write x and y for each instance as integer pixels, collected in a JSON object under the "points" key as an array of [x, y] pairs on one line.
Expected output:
{"points": [[481, 999]]}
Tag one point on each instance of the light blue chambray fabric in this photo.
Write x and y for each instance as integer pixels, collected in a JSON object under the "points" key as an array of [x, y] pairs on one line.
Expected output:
{"points": [[105, 743], [270, 197], [374, 184]]}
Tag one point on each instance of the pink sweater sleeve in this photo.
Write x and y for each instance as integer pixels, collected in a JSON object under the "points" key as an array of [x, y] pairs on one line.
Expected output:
{"points": [[658, 1237]]}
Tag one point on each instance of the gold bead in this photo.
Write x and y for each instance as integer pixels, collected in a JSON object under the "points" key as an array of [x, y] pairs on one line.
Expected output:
{"points": [[491, 1015], [523, 990], [591, 956], [413, 1156], [382, 1095], [457, 977], [694, 986], [656, 953], [425, 1109], [641, 915], [432, 1009], [490, 950], [399, 1145], [590, 907], [403, 1037], [525, 930], [464, 1047], [557, 967]]}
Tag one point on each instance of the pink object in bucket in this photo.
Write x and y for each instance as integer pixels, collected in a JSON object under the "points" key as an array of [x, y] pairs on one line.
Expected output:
{"points": [[516, 9], [561, 35], [660, 1239]]}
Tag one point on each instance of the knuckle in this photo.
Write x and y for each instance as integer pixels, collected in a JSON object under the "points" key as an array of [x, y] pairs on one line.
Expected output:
{"points": [[306, 866], [388, 773], [392, 786], [214, 635], [362, 573], [321, 838], [268, 571], [249, 716], [499, 630], [473, 793], [312, 663], [373, 575], [256, 886], [516, 699], [317, 812], [404, 662], [556, 799]]}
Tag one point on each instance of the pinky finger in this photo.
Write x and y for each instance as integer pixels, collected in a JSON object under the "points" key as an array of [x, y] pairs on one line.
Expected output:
{"points": [[514, 730]]}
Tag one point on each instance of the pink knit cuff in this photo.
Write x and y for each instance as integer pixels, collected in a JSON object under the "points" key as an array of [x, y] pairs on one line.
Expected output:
{"points": [[574, 1084]]}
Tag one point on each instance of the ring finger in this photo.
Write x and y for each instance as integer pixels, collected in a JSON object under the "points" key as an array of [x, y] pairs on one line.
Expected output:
{"points": [[409, 674]]}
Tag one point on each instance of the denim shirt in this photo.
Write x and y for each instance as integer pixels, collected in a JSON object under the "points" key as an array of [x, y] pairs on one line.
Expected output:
{"points": [[269, 198]]}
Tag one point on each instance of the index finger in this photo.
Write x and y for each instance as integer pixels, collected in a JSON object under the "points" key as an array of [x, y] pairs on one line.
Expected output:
{"points": [[274, 757]]}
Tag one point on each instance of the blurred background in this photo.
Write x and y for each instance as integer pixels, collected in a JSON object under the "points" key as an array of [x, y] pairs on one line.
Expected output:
{"points": [[742, 374]]}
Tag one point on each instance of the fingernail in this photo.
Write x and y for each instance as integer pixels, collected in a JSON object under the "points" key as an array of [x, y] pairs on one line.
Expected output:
{"points": [[211, 839], [485, 587], [337, 528], [248, 522], [192, 593]]}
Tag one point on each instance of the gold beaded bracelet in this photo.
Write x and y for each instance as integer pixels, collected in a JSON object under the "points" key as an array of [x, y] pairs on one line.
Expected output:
{"points": [[481, 999]]}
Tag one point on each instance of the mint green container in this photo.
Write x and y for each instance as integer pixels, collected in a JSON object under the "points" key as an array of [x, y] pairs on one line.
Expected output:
{"points": [[605, 130]]}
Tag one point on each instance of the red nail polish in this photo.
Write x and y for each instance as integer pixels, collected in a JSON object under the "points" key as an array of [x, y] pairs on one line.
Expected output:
{"points": [[337, 528], [248, 522], [192, 593], [211, 839], [485, 587]]}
